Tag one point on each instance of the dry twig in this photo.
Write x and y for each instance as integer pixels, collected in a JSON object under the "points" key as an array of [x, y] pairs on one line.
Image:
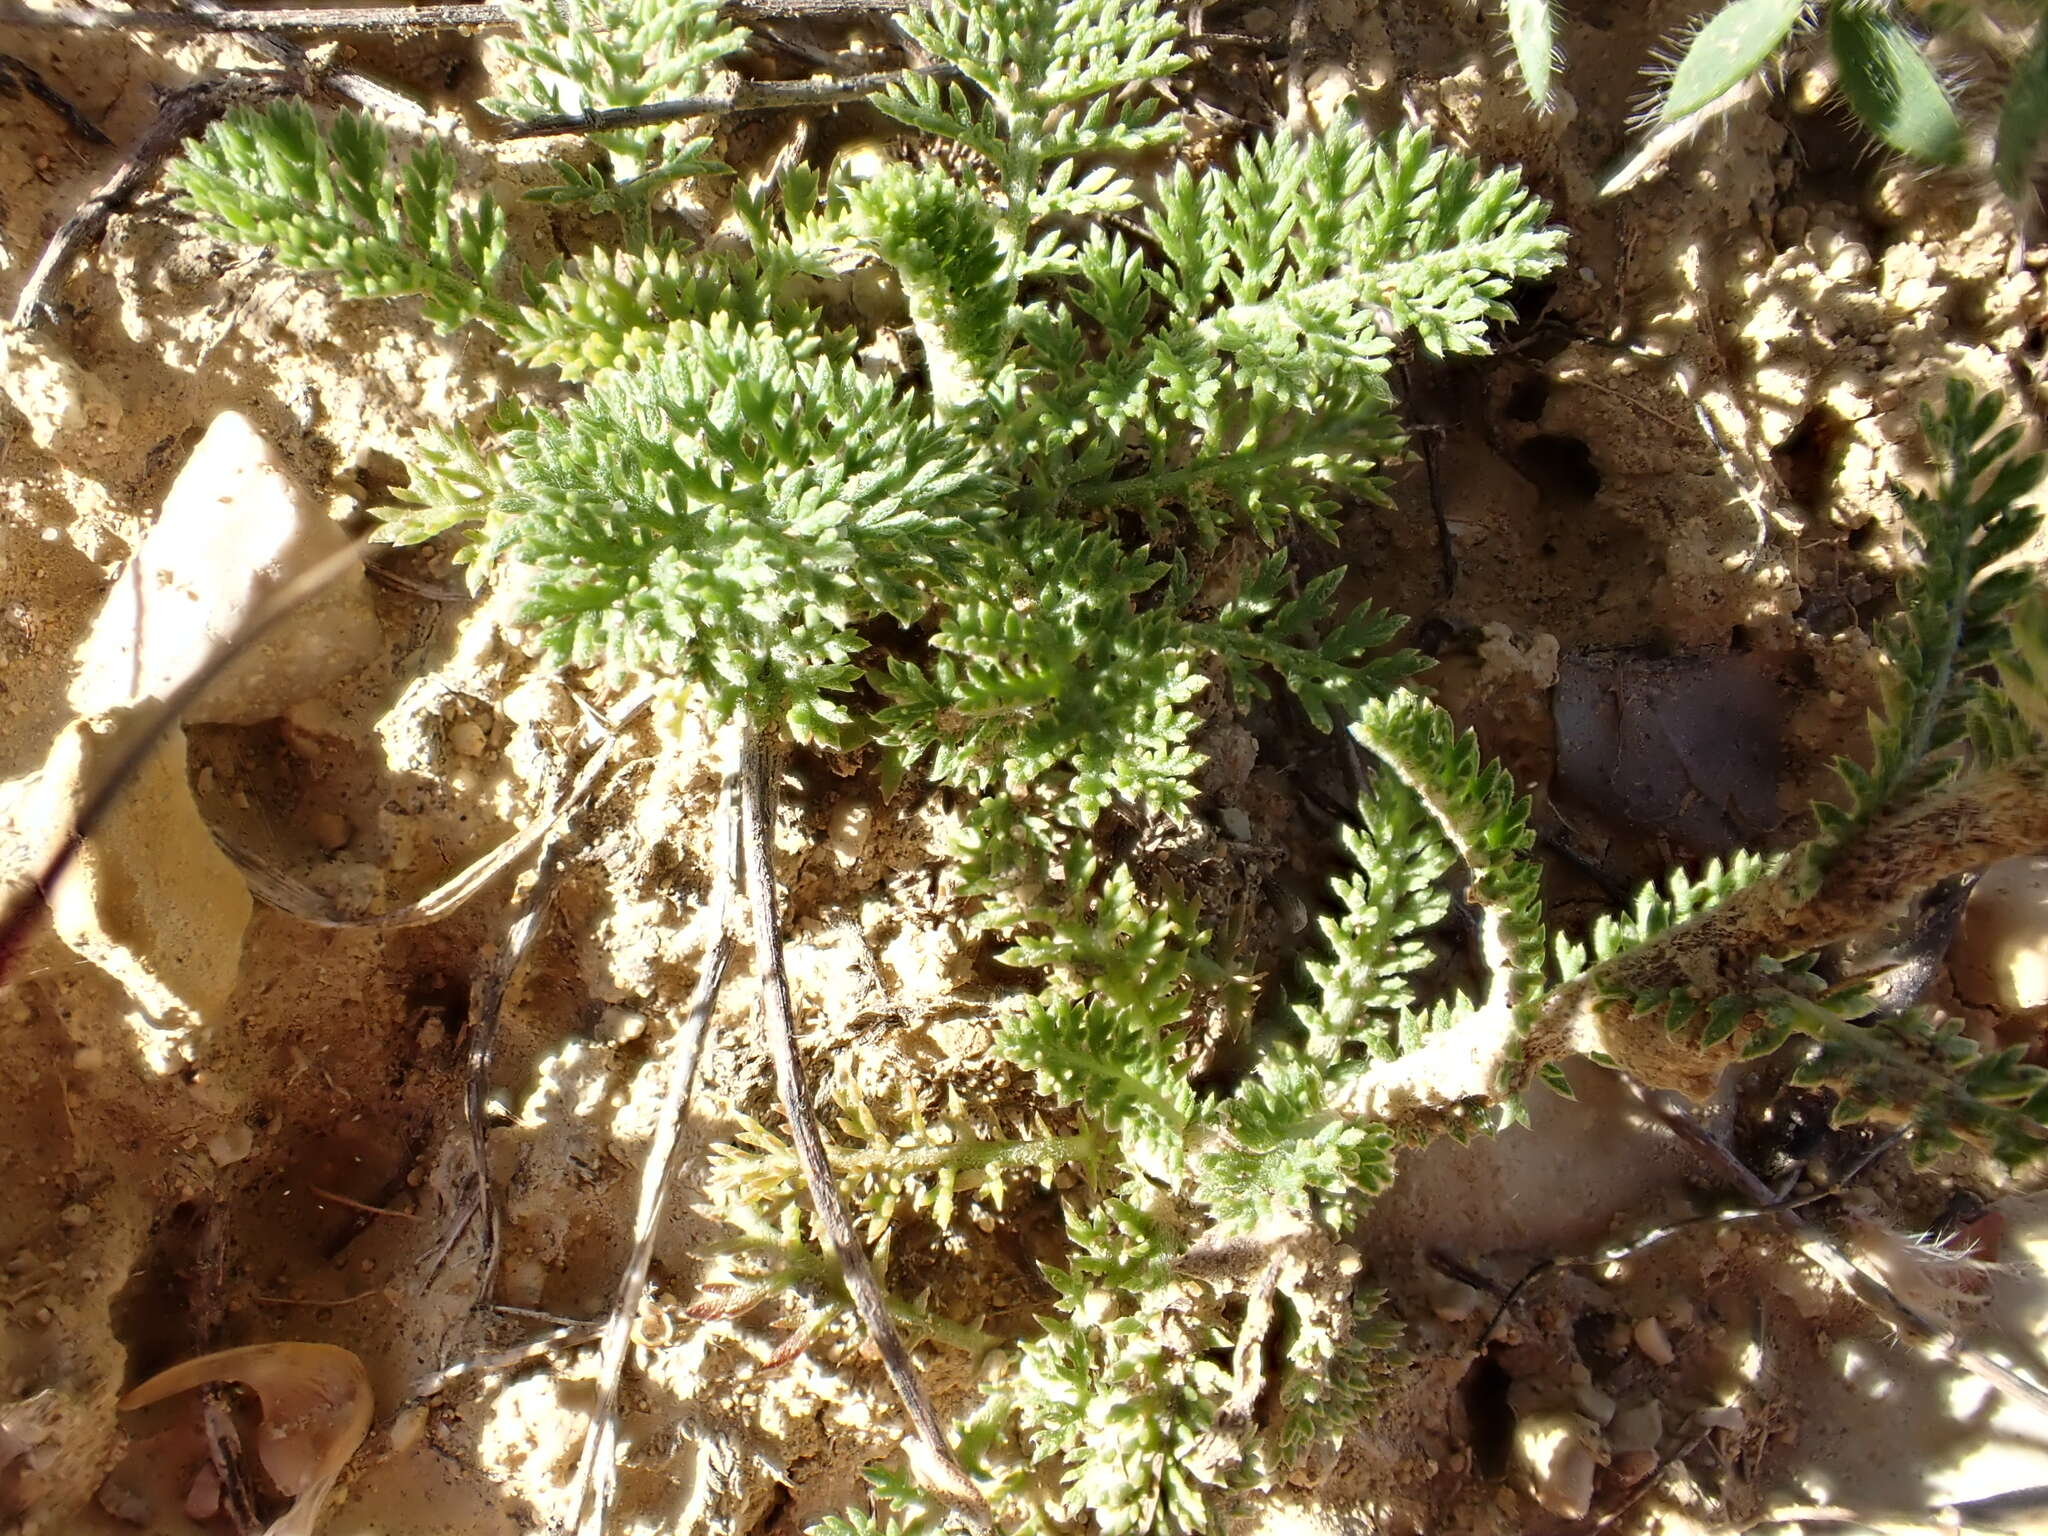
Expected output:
{"points": [[568, 1336], [357, 89], [395, 18], [17, 74], [184, 113], [937, 1466], [746, 96], [596, 1469], [1906, 1320], [487, 1005]]}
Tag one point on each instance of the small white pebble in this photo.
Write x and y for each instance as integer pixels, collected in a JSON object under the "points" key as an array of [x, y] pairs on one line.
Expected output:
{"points": [[1557, 1466], [1452, 1300], [231, 1145], [75, 1215], [467, 737], [409, 1428], [88, 1058], [1651, 1340], [618, 1025], [847, 835], [1638, 1427]]}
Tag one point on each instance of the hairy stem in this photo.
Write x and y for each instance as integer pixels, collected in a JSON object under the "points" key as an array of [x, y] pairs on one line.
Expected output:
{"points": [[1995, 815]]}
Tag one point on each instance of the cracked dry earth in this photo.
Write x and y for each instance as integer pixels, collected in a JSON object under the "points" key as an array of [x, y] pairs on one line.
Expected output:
{"points": [[1645, 544]]}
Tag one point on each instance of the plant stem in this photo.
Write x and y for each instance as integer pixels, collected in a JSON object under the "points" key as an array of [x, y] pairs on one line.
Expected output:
{"points": [[20, 73], [347, 18], [747, 96], [1994, 815], [940, 1468], [597, 1467], [185, 112], [968, 1156]]}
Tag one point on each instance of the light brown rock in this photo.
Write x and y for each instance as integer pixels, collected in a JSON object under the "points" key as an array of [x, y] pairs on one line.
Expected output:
{"points": [[149, 899], [235, 528], [2000, 958], [1555, 1454], [61, 404]]}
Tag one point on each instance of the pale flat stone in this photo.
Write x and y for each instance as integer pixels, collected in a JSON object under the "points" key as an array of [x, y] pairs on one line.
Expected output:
{"points": [[235, 527], [2000, 958], [149, 899]]}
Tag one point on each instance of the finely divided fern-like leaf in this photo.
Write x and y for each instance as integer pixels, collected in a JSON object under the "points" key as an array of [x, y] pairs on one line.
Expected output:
{"points": [[1658, 909], [1052, 88], [1293, 1154], [334, 202], [1285, 280], [590, 55], [1362, 995], [610, 306], [1046, 680], [1473, 802], [2023, 670], [1917, 1068], [1124, 1383], [1330, 674], [728, 513], [1955, 597], [1105, 1033], [943, 241]]}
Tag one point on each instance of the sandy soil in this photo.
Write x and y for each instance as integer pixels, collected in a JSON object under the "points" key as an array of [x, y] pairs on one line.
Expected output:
{"points": [[1667, 490]]}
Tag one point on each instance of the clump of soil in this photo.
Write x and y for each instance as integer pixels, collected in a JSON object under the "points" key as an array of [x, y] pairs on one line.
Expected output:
{"points": [[1673, 472]]}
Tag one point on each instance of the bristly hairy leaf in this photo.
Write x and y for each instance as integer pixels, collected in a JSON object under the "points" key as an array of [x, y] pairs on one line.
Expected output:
{"points": [[1532, 28], [2023, 119], [1890, 85], [1731, 47]]}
